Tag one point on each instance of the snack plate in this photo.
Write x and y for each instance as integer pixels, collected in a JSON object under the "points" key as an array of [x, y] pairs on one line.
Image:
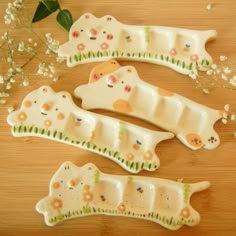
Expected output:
{"points": [[98, 39], [128, 94], [51, 115], [83, 191]]}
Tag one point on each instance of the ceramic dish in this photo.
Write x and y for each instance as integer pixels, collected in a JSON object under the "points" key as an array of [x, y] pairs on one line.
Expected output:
{"points": [[83, 191], [191, 122], [51, 115], [98, 39]]}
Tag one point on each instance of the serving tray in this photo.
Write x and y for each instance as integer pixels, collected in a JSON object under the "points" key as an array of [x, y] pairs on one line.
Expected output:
{"points": [[83, 191], [128, 94], [47, 114], [97, 39]]}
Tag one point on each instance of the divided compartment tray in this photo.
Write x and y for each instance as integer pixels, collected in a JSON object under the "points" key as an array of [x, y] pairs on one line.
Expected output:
{"points": [[99, 39], [47, 114], [83, 191], [191, 122]]}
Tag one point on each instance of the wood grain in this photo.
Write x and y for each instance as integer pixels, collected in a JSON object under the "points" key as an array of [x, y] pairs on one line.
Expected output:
{"points": [[27, 164]]}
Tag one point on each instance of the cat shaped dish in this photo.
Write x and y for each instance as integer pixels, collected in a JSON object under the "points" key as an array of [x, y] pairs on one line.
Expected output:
{"points": [[94, 39], [51, 115], [82, 191], [192, 123]]}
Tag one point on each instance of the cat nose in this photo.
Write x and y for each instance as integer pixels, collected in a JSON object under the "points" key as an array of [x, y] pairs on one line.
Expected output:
{"points": [[45, 107], [93, 32]]}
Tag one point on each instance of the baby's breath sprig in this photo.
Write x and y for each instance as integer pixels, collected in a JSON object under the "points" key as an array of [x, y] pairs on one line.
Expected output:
{"points": [[219, 75], [16, 55]]}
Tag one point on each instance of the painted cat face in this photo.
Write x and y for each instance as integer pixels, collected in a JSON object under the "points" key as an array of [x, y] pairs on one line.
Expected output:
{"points": [[92, 34], [43, 108], [69, 187]]}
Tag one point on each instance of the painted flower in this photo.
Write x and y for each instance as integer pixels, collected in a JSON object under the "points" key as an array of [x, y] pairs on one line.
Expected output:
{"points": [[130, 156], [185, 212], [56, 203], [22, 116], [104, 46], [81, 47], [47, 123], [121, 207], [88, 196], [147, 155], [173, 52], [194, 58]]}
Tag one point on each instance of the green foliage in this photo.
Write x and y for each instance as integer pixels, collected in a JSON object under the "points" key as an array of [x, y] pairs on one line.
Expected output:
{"points": [[47, 7]]}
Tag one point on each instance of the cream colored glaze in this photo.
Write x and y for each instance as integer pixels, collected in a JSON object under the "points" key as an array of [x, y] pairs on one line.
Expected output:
{"points": [[81, 191], [128, 94], [51, 115], [98, 39]]}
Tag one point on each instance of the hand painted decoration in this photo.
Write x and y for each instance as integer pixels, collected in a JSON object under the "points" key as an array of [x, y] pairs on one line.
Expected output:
{"points": [[191, 122], [98, 39], [51, 115], [83, 191]]}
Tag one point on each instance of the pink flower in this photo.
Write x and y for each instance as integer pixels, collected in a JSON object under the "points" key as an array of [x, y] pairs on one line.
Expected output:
{"points": [[173, 52], [194, 57], [104, 46], [81, 47]]}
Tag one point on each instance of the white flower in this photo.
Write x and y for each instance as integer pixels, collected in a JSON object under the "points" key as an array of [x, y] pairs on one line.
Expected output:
{"points": [[223, 58], [214, 66], [1, 79], [224, 77], [21, 47], [206, 91], [233, 81], [25, 82], [10, 109], [233, 117], [226, 107], [208, 7], [224, 121], [209, 72], [2, 101], [227, 70]]}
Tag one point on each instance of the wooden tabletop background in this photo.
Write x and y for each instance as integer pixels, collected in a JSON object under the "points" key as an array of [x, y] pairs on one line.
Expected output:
{"points": [[28, 163]]}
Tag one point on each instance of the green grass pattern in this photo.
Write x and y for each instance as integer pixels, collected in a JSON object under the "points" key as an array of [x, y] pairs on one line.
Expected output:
{"points": [[60, 136], [186, 192], [80, 57], [87, 210]]}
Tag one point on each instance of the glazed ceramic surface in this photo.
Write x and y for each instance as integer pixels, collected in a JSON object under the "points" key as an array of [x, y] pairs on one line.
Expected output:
{"points": [[97, 39], [54, 116], [83, 191], [191, 122]]}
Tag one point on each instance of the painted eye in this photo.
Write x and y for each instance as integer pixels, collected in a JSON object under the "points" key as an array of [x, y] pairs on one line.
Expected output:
{"points": [[81, 30], [56, 109], [104, 32]]}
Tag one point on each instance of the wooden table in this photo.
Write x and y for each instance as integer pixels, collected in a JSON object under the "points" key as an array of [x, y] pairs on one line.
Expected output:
{"points": [[28, 163]]}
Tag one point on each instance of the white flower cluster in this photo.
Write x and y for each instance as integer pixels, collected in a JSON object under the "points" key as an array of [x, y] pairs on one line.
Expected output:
{"points": [[12, 11], [52, 44], [47, 70]]}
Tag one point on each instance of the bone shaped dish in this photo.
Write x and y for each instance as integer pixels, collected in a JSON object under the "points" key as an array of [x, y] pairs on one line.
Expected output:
{"points": [[83, 191], [99, 39], [51, 115], [191, 122]]}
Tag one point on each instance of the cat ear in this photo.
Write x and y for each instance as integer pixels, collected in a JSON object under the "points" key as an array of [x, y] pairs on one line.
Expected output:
{"points": [[103, 69]]}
